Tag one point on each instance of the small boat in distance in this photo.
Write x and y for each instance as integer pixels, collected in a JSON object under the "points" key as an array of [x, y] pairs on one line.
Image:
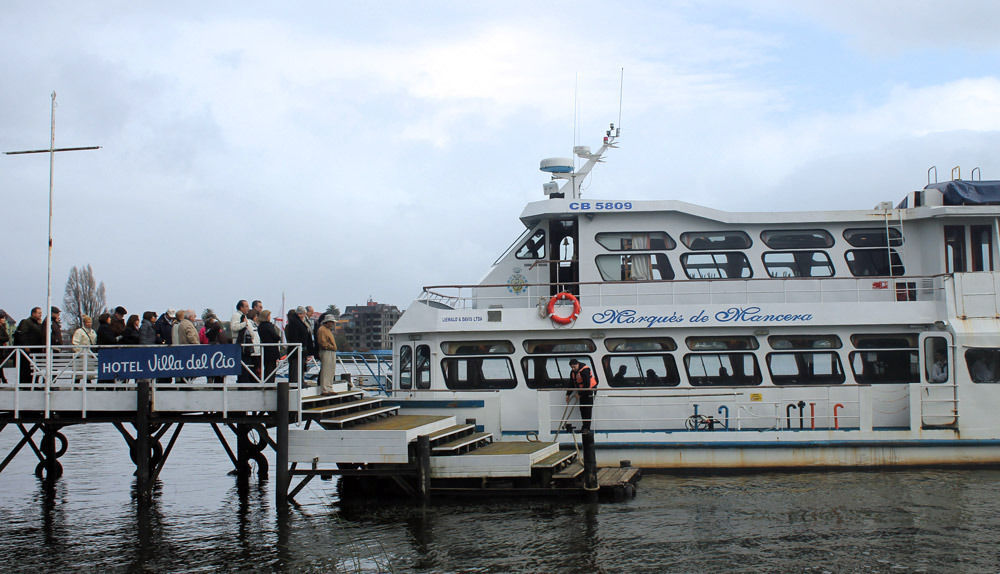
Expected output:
{"points": [[727, 340]]}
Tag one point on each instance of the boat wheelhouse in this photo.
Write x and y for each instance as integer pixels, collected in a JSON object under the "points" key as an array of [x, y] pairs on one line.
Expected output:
{"points": [[727, 340]]}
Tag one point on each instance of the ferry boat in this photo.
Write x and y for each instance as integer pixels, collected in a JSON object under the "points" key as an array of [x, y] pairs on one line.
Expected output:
{"points": [[726, 340]]}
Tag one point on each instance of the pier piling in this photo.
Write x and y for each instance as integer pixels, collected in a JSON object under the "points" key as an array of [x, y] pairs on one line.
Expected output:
{"points": [[143, 486], [424, 465], [590, 483], [243, 451], [281, 450]]}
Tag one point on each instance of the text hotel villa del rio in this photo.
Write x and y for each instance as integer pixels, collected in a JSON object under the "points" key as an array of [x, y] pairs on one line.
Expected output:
{"points": [[163, 362]]}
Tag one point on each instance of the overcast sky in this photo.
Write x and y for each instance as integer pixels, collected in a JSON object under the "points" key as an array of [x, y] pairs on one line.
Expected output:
{"points": [[336, 151]]}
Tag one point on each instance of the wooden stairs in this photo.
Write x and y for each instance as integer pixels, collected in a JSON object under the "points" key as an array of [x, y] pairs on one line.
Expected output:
{"points": [[362, 434]]}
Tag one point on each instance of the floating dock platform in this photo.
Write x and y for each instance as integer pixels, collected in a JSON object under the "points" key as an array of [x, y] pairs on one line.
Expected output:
{"points": [[376, 449]]}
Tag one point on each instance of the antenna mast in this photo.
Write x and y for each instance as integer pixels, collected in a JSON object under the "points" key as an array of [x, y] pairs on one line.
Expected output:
{"points": [[564, 168], [621, 87]]}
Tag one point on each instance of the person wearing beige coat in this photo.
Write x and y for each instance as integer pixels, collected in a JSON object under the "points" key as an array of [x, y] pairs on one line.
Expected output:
{"points": [[84, 338], [186, 331], [327, 345]]}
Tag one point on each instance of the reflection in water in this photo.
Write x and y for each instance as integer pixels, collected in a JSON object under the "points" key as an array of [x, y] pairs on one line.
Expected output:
{"points": [[203, 520], [50, 516], [148, 534]]}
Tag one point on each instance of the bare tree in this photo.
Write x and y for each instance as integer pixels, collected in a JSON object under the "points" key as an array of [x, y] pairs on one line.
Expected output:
{"points": [[84, 296], [208, 312]]}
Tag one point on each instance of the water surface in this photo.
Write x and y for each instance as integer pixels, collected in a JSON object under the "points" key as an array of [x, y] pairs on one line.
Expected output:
{"points": [[202, 520]]}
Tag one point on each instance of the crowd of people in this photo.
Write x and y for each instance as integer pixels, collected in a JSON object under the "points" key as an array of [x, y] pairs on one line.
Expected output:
{"points": [[251, 327]]}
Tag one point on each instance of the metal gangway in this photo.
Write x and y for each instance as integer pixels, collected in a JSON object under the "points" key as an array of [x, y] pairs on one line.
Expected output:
{"points": [[370, 370]]}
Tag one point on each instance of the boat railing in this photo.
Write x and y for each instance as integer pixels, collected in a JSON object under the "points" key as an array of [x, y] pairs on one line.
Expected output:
{"points": [[719, 409], [75, 371], [678, 292]]}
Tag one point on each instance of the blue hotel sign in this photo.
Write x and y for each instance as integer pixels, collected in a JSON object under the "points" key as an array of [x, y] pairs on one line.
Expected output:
{"points": [[168, 361]]}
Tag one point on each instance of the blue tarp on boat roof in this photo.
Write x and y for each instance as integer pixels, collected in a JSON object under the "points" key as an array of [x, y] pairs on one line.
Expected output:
{"points": [[959, 192]]}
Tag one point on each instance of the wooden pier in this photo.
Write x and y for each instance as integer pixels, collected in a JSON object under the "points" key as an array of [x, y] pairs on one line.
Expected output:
{"points": [[375, 448], [366, 441]]}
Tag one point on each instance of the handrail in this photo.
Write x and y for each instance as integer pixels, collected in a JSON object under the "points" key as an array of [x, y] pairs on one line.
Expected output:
{"points": [[529, 294], [758, 410], [384, 366], [427, 288], [75, 370]]}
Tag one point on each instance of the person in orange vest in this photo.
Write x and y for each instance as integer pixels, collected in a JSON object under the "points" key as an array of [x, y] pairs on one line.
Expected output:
{"points": [[584, 383]]}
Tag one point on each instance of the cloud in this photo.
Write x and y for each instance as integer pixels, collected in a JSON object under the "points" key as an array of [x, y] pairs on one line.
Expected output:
{"points": [[340, 151], [892, 26]]}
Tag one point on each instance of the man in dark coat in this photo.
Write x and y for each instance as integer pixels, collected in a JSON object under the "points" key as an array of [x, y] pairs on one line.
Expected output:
{"points": [[297, 331], [105, 338], [57, 332], [30, 333], [105, 332], [4, 341], [118, 321], [164, 328], [147, 331]]}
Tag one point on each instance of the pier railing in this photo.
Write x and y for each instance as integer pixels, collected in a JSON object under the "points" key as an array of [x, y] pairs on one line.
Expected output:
{"points": [[693, 292], [76, 381]]}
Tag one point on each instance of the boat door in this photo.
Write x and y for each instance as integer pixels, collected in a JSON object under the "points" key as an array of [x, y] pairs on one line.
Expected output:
{"points": [[564, 272], [518, 411], [938, 394]]}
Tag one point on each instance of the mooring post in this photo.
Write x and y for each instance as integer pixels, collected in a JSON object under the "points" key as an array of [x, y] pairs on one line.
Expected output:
{"points": [[281, 456], [589, 465], [143, 487], [243, 451], [53, 469], [295, 360], [424, 465]]}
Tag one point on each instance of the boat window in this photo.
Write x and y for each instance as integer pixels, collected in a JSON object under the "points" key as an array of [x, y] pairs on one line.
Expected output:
{"points": [[477, 347], [703, 240], [478, 373], [885, 366], [534, 247], [636, 241], [405, 367], [805, 368], [656, 370], [882, 341], [551, 372], [798, 264], [559, 346], [873, 237], [722, 369], [983, 365], [886, 358], [640, 344], [796, 238], [874, 262], [638, 267], [982, 247], [720, 265], [721, 343], [936, 359], [423, 367], [954, 248], [804, 341]]}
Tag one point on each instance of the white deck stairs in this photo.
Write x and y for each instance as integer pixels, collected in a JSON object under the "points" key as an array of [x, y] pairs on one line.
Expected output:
{"points": [[359, 432]]}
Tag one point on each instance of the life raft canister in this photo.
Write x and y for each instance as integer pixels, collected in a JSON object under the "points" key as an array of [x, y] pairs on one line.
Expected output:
{"points": [[558, 318]]}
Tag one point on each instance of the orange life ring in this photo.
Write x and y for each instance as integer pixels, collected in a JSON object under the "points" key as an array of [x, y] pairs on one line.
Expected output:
{"points": [[572, 316]]}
